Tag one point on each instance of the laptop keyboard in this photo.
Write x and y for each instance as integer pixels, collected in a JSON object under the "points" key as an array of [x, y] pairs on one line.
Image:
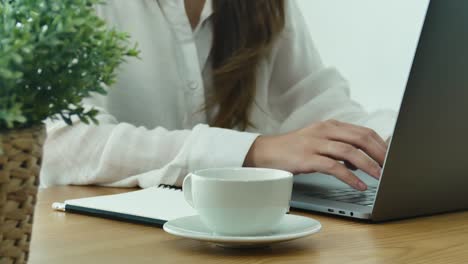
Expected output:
{"points": [[348, 195]]}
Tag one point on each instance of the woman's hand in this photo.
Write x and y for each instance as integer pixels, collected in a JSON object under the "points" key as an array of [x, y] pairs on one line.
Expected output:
{"points": [[320, 148]]}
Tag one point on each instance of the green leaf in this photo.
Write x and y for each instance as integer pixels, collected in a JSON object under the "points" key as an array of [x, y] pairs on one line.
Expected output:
{"points": [[84, 119], [11, 116]]}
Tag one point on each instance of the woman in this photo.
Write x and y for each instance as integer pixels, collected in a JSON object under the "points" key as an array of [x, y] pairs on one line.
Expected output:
{"points": [[246, 68]]}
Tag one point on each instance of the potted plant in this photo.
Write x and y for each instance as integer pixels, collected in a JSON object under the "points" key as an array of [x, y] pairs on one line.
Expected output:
{"points": [[53, 53]]}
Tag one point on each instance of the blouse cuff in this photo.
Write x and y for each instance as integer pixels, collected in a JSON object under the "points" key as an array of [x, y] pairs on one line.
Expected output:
{"points": [[218, 147]]}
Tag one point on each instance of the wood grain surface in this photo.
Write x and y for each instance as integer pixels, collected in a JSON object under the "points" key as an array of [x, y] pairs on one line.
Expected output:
{"points": [[69, 238]]}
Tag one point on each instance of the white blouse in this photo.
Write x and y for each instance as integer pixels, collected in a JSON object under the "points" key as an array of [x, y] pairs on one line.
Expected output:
{"points": [[151, 128]]}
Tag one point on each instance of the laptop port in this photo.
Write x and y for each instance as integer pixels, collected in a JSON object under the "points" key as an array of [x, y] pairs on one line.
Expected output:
{"points": [[351, 214], [342, 212], [331, 210]]}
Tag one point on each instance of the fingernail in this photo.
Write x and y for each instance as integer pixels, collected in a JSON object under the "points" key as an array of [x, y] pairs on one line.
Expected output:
{"points": [[361, 186], [378, 172]]}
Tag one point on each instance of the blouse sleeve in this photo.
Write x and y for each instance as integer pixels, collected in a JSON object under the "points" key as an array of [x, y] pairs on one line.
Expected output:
{"points": [[304, 91], [122, 155]]}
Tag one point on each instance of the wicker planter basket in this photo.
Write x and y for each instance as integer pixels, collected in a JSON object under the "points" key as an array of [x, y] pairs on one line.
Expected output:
{"points": [[19, 179]]}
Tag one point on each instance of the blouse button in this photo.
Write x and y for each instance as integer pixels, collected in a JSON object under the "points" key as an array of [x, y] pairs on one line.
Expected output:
{"points": [[193, 85]]}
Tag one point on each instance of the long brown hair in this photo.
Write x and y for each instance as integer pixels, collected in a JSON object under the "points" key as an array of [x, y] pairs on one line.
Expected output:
{"points": [[243, 32]]}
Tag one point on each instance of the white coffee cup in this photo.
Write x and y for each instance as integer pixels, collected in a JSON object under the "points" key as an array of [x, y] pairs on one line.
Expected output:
{"points": [[239, 201]]}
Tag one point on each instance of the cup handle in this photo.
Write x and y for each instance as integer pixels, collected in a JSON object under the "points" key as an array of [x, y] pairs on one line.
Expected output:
{"points": [[187, 189]]}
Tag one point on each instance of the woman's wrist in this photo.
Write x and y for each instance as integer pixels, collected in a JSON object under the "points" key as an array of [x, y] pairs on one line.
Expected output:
{"points": [[257, 154]]}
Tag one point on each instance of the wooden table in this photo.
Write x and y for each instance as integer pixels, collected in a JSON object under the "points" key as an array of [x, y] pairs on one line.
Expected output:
{"points": [[71, 238]]}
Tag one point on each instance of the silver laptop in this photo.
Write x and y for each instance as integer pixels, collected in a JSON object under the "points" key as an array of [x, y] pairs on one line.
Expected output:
{"points": [[426, 168]]}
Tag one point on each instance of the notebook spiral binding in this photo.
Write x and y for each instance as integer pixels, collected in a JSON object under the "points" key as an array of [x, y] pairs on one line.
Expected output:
{"points": [[172, 187]]}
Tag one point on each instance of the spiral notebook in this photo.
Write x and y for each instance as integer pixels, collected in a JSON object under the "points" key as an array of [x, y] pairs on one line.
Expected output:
{"points": [[151, 206]]}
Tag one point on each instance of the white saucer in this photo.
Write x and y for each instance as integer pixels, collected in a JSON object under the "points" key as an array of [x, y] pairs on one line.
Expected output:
{"points": [[291, 227]]}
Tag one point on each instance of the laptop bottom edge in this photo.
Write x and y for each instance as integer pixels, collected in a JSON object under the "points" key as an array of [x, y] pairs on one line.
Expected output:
{"points": [[333, 210]]}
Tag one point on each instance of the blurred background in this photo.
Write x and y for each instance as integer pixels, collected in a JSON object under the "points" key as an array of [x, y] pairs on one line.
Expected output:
{"points": [[371, 42]]}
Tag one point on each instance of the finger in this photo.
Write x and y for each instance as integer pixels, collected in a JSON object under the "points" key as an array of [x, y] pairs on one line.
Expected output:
{"points": [[368, 131], [332, 167], [346, 152], [388, 140], [359, 139]]}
